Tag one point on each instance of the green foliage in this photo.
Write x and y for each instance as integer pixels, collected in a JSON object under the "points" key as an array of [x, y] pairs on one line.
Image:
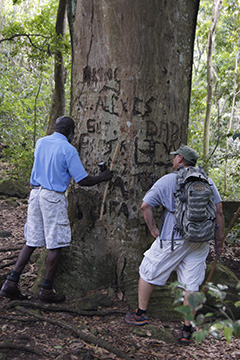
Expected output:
{"points": [[28, 45], [19, 103], [224, 139], [35, 36], [226, 325]]}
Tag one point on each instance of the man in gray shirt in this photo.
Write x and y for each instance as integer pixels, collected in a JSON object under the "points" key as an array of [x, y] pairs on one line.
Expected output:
{"points": [[188, 258]]}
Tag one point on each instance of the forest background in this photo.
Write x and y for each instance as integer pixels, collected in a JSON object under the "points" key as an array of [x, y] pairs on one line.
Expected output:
{"points": [[29, 50], [29, 44]]}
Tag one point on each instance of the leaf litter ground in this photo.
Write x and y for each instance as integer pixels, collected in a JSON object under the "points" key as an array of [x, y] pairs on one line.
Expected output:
{"points": [[38, 333]]}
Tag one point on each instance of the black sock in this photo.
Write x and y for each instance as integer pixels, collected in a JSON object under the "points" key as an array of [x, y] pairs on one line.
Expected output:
{"points": [[187, 328], [140, 312], [14, 276], [47, 284]]}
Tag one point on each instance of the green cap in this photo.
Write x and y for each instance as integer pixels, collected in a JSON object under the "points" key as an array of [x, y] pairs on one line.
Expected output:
{"points": [[187, 153]]}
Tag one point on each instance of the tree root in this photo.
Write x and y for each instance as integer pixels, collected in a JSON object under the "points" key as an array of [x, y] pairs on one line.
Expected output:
{"points": [[11, 346], [50, 307], [8, 264], [11, 249], [17, 318], [10, 257], [89, 338]]}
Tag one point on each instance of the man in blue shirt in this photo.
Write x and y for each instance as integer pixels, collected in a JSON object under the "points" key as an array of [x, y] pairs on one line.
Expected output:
{"points": [[56, 161]]}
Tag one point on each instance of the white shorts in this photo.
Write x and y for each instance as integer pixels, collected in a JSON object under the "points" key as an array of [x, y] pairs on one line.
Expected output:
{"points": [[47, 220], [187, 258]]}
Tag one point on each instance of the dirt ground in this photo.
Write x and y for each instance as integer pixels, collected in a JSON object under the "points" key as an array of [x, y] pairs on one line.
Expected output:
{"points": [[35, 331]]}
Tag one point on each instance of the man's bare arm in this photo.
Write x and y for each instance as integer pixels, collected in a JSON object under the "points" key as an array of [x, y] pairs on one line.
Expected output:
{"points": [[93, 180], [147, 211]]}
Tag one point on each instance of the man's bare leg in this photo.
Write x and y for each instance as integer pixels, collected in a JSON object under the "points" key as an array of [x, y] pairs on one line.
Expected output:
{"points": [[138, 317], [186, 303], [23, 258], [187, 328], [46, 292], [144, 292], [10, 287], [52, 262]]}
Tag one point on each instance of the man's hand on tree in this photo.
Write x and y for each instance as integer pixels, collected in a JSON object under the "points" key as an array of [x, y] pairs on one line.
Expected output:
{"points": [[106, 175]]}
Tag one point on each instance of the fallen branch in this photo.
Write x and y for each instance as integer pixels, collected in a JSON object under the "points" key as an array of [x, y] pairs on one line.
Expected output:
{"points": [[50, 307], [89, 338], [14, 318], [9, 257], [8, 264], [11, 249], [11, 346]]}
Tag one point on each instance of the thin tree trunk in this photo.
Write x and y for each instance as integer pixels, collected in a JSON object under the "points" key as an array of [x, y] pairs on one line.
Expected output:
{"points": [[230, 122], [58, 99], [215, 15], [220, 111], [35, 114]]}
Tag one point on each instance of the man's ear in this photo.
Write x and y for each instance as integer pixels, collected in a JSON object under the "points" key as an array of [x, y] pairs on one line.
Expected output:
{"points": [[180, 159], [67, 130]]}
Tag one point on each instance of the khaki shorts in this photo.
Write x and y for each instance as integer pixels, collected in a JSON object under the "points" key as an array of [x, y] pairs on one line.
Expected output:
{"points": [[187, 258], [47, 220]]}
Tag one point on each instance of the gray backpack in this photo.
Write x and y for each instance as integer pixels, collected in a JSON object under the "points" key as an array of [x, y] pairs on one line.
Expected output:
{"points": [[195, 208]]}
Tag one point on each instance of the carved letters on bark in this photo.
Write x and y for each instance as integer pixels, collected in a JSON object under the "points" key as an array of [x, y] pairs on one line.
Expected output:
{"points": [[109, 100]]}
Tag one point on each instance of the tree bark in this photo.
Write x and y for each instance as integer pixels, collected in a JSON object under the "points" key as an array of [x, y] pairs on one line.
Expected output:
{"points": [[131, 80], [58, 98]]}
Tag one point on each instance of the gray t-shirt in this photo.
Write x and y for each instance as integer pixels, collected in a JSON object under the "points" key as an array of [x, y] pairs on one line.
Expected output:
{"points": [[162, 193]]}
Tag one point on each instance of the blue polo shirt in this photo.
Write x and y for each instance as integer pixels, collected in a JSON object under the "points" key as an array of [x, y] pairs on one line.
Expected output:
{"points": [[56, 161]]}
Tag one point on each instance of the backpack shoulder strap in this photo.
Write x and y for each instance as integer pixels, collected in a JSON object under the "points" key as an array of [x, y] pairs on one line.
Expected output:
{"points": [[161, 223]]}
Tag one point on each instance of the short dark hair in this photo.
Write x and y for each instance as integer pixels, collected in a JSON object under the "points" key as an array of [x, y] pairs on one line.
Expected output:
{"points": [[64, 122]]}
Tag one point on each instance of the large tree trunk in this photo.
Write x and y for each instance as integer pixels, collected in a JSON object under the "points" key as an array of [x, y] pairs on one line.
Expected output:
{"points": [[131, 80]]}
